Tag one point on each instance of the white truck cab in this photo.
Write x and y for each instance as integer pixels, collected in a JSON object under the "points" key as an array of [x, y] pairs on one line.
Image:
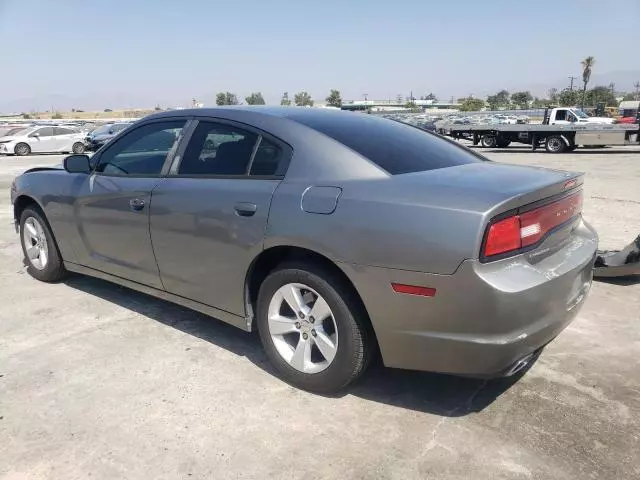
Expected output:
{"points": [[568, 116]]}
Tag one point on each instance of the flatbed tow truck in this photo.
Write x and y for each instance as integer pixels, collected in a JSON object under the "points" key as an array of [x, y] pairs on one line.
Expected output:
{"points": [[562, 130]]}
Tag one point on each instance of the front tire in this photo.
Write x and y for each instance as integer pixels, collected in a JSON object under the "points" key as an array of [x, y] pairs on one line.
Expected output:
{"points": [[40, 250], [316, 337], [22, 149], [555, 144], [78, 148]]}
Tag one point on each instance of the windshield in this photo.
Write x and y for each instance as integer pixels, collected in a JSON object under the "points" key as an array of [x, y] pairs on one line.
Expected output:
{"points": [[119, 126], [13, 131], [104, 129], [580, 113]]}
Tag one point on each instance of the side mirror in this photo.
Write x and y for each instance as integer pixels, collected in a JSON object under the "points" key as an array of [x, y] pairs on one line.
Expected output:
{"points": [[77, 164]]}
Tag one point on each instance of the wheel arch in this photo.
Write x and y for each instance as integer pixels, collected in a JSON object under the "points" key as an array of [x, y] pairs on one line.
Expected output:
{"points": [[269, 259], [21, 202]]}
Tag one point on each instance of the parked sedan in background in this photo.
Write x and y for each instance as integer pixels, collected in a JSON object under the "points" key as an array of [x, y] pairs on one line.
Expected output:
{"points": [[332, 233], [101, 135], [42, 139]]}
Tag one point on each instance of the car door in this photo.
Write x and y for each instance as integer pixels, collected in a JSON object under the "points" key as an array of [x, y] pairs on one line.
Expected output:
{"points": [[112, 204], [63, 139], [42, 140], [208, 217], [560, 117]]}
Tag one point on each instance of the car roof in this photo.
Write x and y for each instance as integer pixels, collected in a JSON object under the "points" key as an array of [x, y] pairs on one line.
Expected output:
{"points": [[273, 111]]}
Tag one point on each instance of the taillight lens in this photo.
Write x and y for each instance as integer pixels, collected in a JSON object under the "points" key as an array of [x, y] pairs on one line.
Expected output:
{"points": [[503, 236], [528, 228]]}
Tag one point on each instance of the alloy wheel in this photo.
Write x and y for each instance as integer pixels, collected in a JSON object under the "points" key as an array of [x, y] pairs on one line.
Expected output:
{"points": [[302, 328], [35, 243]]}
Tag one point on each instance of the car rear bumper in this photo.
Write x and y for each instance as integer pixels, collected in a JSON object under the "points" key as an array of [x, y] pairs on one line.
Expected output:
{"points": [[484, 318]]}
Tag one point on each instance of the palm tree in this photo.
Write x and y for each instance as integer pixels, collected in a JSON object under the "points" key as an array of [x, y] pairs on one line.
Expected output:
{"points": [[587, 63]]}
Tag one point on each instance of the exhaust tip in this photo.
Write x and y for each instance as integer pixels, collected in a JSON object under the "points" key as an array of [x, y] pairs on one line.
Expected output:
{"points": [[520, 364]]}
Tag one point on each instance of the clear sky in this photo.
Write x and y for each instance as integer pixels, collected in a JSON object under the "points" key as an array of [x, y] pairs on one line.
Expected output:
{"points": [[168, 51]]}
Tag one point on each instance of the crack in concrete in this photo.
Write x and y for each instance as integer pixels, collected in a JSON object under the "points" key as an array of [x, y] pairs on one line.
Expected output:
{"points": [[466, 404]]}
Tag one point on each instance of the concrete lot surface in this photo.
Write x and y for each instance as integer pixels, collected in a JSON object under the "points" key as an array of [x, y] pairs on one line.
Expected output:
{"points": [[100, 382]]}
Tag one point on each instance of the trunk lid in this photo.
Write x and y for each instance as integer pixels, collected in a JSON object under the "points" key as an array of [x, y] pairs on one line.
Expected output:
{"points": [[498, 191]]}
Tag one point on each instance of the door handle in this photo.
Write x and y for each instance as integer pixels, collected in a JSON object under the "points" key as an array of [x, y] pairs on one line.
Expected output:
{"points": [[136, 204], [246, 209]]}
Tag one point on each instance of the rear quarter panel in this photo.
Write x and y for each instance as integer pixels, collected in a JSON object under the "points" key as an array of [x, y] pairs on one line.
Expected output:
{"points": [[377, 225]]}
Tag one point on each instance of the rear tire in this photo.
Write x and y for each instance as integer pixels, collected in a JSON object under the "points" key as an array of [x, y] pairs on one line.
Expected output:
{"points": [[41, 253], [503, 143], [489, 141], [351, 343], [22, 149], [555, 144], [78, 148]]}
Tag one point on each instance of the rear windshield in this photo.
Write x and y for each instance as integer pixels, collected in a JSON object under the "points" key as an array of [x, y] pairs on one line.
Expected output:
{"points": [[393, 146]]}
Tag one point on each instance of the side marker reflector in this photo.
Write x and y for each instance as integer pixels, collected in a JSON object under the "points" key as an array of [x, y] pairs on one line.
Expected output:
{"points": [[413, 290]]}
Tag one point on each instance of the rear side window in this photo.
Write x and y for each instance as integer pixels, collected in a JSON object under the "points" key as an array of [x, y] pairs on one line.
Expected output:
{"points": [[218, 149], [62, 131], [393, 146], [267, 158], [43, 132]]}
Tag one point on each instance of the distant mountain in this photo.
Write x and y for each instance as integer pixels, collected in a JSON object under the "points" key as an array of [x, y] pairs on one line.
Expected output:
{"points": [[623, 80], [87, 102]]}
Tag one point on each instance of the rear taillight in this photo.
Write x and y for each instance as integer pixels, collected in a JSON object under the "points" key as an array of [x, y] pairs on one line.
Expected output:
{"points": [[528, 228]]}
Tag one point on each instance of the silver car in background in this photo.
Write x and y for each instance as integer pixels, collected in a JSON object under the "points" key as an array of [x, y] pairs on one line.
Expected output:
{"points": [[333, 234], [42, 139]]}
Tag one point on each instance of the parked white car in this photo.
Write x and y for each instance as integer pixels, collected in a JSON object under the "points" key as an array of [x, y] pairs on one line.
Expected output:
{"points": [[42, 139]]}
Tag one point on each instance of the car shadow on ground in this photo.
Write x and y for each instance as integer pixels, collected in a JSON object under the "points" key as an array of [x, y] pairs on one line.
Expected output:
{"points": [[437, 394], [622, 281]]}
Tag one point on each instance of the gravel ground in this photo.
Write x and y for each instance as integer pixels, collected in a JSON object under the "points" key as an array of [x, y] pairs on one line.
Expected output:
{"points": [[102, 382]]}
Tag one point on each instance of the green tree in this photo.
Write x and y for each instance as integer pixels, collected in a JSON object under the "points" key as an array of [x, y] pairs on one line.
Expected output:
{"points": [[521, 99], [553, 95], [541, 102], [56, 116], [431, 96], [472, 104], [226, 98], [629, 96], [587, 65], [499, 100], [334, 99], [285, 100], [600, 94], [303, 99], [255, 99], [26, 116], [568, 98]]}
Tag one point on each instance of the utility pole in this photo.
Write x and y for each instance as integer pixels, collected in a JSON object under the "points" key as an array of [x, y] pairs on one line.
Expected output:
{"points": [[612, 86], [637, 85], [572, 79]]}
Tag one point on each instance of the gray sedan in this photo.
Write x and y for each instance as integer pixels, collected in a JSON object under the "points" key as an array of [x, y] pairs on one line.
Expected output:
{"points": [[335, 234]]}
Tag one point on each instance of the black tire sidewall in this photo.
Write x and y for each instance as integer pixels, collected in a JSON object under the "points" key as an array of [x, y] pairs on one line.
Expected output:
{"points": [[54, 270], [26, 152], [561, 149], [347, 364], [491, 144]]}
